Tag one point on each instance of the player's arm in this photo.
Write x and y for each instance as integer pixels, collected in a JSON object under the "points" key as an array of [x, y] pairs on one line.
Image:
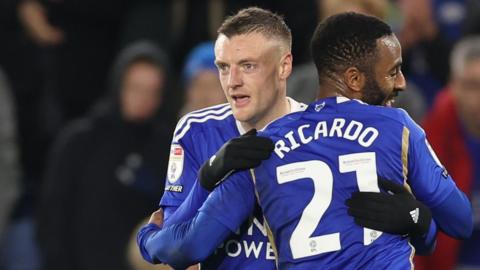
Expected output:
{"points": [[432, 185], [184, 244], [185, 212], [246, 151], [188, 209], [436, 195]]}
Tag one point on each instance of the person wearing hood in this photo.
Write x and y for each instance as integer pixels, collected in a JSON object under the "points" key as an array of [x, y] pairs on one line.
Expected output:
{"points": [[105, 172]]}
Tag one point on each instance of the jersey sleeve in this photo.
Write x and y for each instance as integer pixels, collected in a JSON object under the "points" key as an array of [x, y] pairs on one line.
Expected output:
{"points": [[232, 202], [432, 185], [189, 207], [182, 171], [183, 244], [429, 180]]}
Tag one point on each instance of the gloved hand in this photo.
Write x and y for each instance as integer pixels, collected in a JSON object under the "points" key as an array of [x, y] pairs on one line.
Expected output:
{"points": [[244, 152], [396, 213]]}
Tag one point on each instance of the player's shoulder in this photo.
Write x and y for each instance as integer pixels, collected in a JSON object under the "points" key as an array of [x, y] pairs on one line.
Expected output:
{"points": [[400, 116], [394, 116], [386, 118], [203, 119], [284, 122]]}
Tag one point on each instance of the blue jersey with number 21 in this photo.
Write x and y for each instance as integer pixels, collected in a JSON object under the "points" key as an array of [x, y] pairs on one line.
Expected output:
{"points": [[322, 155]]}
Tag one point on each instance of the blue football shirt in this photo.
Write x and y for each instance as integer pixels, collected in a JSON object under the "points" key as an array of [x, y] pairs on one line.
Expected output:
{"points": [[336, 147], [197, 137]]}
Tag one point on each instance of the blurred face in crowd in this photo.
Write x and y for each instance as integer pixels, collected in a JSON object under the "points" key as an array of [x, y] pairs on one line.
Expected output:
{"points": [[466, 91], [141, 93], [253, 70], [204, 90], [387, 81]]}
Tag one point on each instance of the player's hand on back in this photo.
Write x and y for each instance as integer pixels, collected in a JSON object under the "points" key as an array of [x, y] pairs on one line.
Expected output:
{"points": [[244, 152], [395, 212]]}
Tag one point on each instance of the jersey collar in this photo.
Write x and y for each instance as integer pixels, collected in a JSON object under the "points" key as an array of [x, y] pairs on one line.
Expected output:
{"points": [[295, 106]]}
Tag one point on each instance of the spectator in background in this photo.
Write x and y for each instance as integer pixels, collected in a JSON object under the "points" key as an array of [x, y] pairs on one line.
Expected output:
{"points": [[83, 37], [200, 76], [471, 24], [453, 129], [21, 60], [8, 153], [427, 30], [106, 172], [9, 169]]}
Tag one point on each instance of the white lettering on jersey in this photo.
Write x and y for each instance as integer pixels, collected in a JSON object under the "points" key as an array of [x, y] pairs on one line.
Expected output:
{"points": [[280, 147], [233, 248], [337, 126], [248, 247], [368, 131], [302, 136], [353, 131], [252, 247], [294, 144], [320, 129], [259, 225], [270, 253]]}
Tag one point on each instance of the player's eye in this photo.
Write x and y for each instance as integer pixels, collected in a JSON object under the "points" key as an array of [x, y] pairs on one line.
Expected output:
{"points": [[249, 67], [223, 68], [396, 71]]}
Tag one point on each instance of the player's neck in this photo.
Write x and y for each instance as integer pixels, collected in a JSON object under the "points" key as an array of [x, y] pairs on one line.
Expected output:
{"points": [[336, 88], [279, 109]]}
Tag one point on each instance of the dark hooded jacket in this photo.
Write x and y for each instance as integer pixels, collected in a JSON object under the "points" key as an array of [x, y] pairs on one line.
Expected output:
{"points": [[104, 176]]}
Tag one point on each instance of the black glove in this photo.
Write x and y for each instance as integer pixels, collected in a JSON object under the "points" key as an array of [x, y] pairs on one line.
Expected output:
{"points": [[244, 152], [397, 213]]}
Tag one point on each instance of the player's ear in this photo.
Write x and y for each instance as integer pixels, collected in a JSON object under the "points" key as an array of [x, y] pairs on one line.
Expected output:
{"points": [[285, 66], [354, 79]]}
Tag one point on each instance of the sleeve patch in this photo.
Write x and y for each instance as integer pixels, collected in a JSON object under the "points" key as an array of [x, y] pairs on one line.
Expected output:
{"points": [[175, 163], [174, 188]]}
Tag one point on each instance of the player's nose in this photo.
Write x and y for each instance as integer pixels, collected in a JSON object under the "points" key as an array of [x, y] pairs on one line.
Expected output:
{"points": [[400, 82], [234, 78]]}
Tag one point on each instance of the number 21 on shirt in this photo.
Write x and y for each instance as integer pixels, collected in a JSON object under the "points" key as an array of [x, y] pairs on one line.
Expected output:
{"points": [[363, 164]]}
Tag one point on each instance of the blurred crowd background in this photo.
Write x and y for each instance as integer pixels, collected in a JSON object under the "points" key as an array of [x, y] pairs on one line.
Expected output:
{"points": [[90, 91]]}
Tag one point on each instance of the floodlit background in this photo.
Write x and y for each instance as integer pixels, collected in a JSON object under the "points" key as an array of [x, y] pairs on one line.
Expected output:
{"points": [[90, 91]]}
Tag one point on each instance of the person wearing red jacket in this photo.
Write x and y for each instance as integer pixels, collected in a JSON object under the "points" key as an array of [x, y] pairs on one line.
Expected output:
{"points": [[453, 129]]}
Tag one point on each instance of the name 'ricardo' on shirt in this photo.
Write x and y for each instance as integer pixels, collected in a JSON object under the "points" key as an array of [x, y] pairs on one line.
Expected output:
{"points": [[351, 130]]}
